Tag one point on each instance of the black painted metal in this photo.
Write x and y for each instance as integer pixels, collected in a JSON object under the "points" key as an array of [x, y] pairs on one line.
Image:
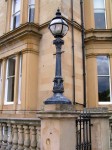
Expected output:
{"points": [[73, 49], [58, 81], [83, 132], [83, 53], [58, 88]]}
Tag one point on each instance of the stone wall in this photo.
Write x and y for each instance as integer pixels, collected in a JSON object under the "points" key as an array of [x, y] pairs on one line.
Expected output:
{"points": [[3, 17]]}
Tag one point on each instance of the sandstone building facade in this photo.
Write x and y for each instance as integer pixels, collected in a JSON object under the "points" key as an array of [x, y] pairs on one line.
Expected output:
{"points": [[27, 70], [27, 60], [98, 52], [27, 63]]}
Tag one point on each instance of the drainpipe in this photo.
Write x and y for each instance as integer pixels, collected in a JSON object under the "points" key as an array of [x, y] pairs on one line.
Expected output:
{"points": [[73, 59], [83, 54]]}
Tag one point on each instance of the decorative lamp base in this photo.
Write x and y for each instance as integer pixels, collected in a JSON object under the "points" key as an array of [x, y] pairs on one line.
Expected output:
{"points": [[57, 98]]}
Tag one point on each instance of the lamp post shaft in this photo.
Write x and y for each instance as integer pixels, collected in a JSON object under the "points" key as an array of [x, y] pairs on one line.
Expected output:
{"points": [[58, 43], [58, 81]]}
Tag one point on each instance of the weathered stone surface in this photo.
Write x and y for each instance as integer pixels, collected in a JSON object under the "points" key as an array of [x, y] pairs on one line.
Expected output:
{"points": [[3, 16]]}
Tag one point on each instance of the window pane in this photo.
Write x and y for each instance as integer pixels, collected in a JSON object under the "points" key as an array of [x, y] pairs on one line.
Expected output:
{"points": [[10, 92], [31, 14], [31, 2], [11, 67], [16, 21], [103, 89], [16, 5], [103, 65], [99, 20], [10, 77], [99, 4], [16, 14]]}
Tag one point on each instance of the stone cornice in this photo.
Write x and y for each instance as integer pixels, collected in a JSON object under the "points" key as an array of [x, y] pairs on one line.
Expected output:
{"points": [[21, 31], [98, 35], [28, 29], [27, 50], [91, 55]]}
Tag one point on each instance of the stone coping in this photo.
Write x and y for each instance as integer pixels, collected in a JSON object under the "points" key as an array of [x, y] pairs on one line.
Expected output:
{"points": [[22, 121], [68, 111], [70, 114]]}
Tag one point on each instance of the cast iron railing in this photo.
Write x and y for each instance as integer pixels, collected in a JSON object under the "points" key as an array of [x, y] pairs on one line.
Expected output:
{"points": [[83, 132]]}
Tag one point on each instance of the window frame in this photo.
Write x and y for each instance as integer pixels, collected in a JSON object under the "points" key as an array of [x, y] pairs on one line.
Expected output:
{"points": [[14, 14], [104, 15], [20, 78], [109, 75], [6, 81], [29, 6]]}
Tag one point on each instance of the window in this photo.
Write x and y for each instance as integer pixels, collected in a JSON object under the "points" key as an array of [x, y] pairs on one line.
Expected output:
{"points": [[99, 14], [20, 80], [0, 79], [31, 10], [10, 79], [15, 14], [104, 86]]}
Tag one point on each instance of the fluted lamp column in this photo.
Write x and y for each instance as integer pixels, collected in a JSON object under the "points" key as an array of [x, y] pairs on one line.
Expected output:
{"points": [[58, 28]]}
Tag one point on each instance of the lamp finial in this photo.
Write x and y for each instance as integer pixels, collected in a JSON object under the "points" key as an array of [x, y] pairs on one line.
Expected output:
{"points": [[58, 13]]}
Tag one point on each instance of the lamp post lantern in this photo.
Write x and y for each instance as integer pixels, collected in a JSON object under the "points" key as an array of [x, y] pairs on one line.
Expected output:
{"points": [[58, 28]]}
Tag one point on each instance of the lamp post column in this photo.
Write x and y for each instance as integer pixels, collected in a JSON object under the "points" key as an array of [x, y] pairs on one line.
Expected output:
{"points": [[58, 81], [58, 28]]}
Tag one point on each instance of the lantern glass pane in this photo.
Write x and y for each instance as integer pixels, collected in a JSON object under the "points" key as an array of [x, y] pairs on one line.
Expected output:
{"points": [[55, 21], [64, 22], [58, 29], [65, 29], [52, 28]]}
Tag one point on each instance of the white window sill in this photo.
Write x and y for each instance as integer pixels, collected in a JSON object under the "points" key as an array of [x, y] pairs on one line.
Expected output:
{"points": [[8, 103], [105, 103]]}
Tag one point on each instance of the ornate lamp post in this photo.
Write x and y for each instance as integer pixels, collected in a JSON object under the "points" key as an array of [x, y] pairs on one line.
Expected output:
{"points": [[58, 28]]}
